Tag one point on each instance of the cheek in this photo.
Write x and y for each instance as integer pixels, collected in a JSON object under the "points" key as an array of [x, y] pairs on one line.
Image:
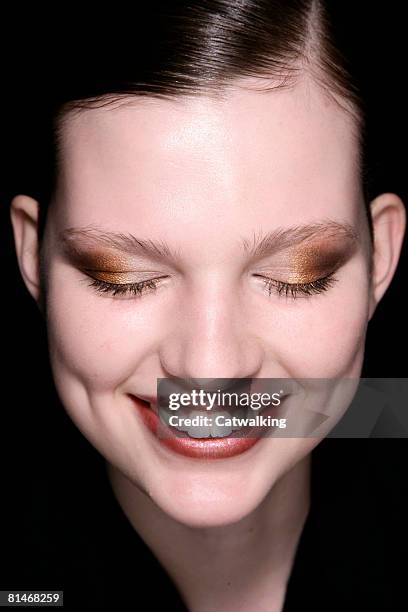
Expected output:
{"points": [[94, 338], [324, 336]]}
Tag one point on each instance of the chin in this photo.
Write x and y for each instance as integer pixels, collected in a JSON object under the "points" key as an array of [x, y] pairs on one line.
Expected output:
{"points": [[208, 501]]}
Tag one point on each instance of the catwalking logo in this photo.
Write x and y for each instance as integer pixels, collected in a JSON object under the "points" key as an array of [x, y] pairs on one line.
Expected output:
{"points": [[223, 420]]}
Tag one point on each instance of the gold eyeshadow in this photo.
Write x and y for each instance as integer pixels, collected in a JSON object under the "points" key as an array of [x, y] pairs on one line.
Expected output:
{"points": [[311, 261], [108, 266], [107, 261], [114, 277], [302, 264], [314, 262]]}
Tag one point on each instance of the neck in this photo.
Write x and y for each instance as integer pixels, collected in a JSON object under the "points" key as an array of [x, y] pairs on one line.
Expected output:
{"points": [[243, 566]]}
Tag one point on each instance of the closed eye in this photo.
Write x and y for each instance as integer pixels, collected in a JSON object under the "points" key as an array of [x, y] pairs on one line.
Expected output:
{"points": [[296, 290], [138, 288]]}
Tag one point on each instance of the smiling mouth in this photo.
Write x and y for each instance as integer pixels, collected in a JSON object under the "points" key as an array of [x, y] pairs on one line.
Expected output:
{"points": [[202, 441]]}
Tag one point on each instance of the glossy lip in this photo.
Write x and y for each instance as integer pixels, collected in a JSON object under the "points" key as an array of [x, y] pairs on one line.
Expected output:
{"points": [[199, 448]]}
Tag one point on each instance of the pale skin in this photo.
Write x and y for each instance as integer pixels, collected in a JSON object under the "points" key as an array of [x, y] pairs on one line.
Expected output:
{"points": [[201, 174]]}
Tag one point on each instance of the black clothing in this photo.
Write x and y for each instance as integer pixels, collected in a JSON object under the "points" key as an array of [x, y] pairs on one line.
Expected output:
{"points": [[66, 530]]}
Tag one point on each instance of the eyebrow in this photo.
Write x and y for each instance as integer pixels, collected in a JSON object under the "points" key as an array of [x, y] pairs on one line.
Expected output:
{"points": [[262, 245], [284, 238]]}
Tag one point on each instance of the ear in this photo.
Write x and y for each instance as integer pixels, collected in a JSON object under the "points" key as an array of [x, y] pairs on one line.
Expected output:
{"points": [[24, 219], [389, 220]]}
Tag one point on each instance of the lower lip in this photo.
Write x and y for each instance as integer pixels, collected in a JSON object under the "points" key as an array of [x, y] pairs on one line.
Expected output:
{"points": [[200, 448]]}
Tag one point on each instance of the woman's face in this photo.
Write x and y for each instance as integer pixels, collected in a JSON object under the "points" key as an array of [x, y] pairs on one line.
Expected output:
{"points": [[206, 180]]}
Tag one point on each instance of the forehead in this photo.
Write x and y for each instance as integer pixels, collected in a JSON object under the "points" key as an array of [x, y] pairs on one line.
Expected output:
{"points": [[287, 151]]}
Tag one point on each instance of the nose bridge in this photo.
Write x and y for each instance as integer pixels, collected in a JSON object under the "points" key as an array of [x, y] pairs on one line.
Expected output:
{"points": [[211, 337]]}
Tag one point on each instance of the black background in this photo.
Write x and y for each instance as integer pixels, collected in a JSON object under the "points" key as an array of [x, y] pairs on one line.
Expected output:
{"points": [[59, 527]]}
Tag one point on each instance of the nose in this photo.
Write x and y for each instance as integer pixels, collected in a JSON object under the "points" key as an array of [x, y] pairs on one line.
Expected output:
{"points": [[212, 336]]}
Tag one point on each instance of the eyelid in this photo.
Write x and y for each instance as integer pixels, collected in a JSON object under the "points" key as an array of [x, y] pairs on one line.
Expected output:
{"points": [[141, 276], [305, 289], [136, 288], [313, 257], [294, 289]]}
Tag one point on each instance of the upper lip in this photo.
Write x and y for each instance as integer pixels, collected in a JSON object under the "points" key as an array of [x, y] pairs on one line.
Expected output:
{"points": [[150, 399]]}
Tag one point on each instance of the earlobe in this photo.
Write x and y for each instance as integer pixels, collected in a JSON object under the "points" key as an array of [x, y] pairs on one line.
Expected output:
{"points": [[24, 219], [389, 221]]}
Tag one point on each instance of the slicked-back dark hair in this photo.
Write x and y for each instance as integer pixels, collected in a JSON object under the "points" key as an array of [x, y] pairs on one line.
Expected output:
{"points": [[202, 48]]}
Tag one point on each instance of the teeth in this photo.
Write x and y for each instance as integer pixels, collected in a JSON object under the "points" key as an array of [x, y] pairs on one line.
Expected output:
{"points": [[220, 431], [198, 431], [240, 413], [251, 413]]}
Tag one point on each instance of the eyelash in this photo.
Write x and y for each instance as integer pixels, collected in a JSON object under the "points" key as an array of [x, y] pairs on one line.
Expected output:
{"points": [[123, 288], [304, 289], [288, 289]]}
